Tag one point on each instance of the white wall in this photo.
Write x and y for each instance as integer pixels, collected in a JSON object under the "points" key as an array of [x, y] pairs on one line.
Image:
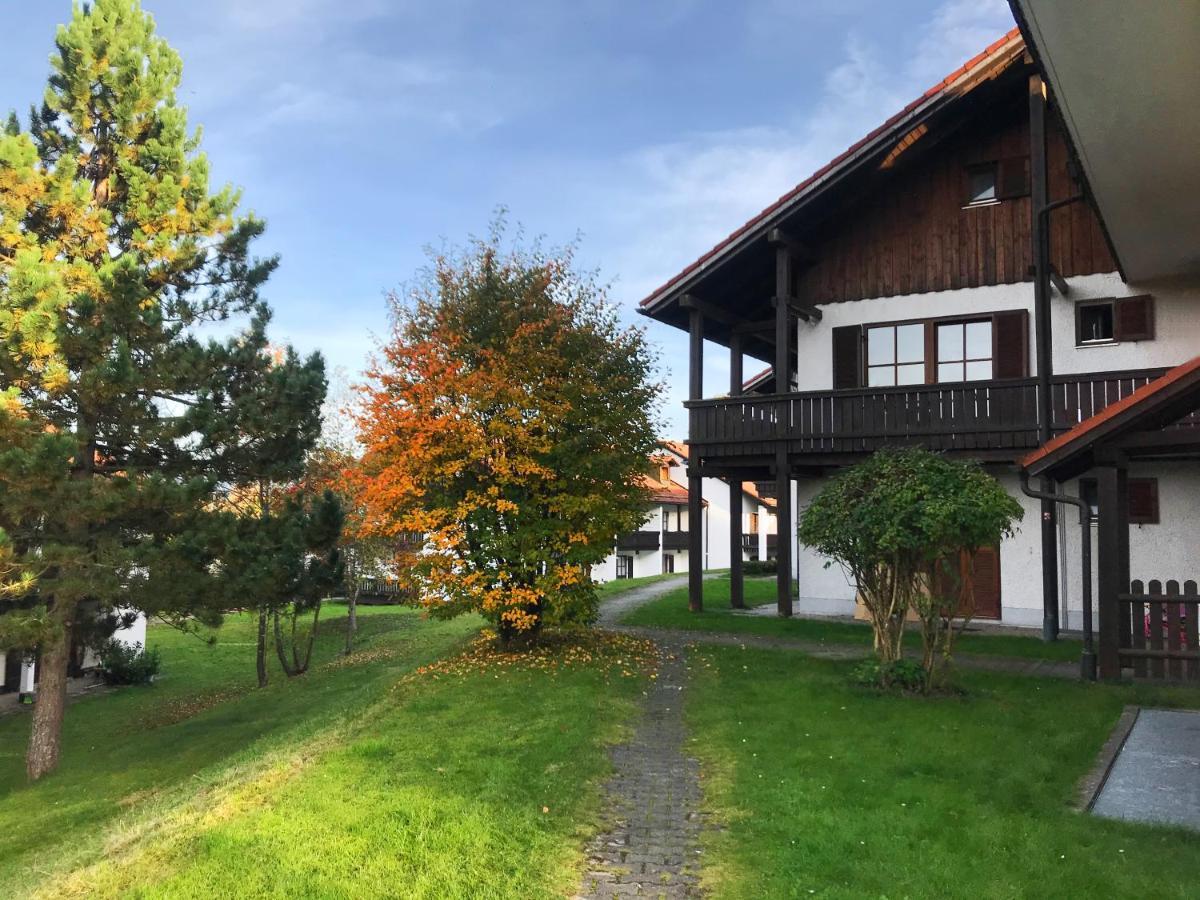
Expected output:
{"points": [[1170, 549], [1176, 312]]}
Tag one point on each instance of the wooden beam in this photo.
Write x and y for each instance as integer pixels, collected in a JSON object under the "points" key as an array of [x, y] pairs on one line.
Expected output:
{"points": [[695, 541], [1112, 490], [808, 313], [691, 303], [783, 530], [757, 327], [736, 360], [777, 237], [737, 596], [695, 354], [783, 322]]}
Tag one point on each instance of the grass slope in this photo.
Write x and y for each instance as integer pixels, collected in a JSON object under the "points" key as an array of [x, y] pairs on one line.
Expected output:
{"points": [[671, 611], [833, 791], [339, 783]]}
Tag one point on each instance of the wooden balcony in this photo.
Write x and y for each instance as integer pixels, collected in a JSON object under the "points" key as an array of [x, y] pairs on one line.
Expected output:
{"points": [[638, 540], [675, 540], [988, 419]]}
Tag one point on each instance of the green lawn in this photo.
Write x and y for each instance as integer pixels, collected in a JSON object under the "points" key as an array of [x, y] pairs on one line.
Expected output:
{"points": [[671, 611], [828, 790], [355, 780]]}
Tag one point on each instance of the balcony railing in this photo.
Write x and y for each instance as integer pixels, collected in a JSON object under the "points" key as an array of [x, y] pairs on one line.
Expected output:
{"points": [[638, 540], [971, 416], [675, 540]]}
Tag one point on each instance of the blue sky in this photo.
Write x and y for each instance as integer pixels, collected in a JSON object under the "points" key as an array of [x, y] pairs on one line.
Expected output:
{"points": [[366, 130]]}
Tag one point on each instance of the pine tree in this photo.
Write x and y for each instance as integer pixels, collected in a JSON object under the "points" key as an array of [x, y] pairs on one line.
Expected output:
{"points": [[120, 414]]}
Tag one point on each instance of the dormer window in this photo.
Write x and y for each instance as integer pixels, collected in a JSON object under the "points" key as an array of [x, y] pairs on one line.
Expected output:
{"points": [[664, 474]]}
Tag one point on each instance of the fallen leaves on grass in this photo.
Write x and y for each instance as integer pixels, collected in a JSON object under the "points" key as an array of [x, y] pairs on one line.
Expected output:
{"points": [[176, 711], [613, 654], [358, 657]]}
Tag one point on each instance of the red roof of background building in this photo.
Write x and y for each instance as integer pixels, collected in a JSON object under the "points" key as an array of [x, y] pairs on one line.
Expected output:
{"points": [[1011, 39]]}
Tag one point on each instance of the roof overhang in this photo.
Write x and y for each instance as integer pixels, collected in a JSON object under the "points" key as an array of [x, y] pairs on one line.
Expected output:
{"points": [[1124, 78]]}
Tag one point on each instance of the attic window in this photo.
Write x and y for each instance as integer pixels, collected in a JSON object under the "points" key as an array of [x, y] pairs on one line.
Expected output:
{"points": [[981, 184], [1002, 179]]}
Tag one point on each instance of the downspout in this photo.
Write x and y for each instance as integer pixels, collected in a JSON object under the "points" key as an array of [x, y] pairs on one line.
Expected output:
{"points": [[1087, 660]]}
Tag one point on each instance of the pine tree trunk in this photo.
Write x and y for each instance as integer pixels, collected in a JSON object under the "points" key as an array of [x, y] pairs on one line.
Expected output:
{"points": [[283, 660], [352, 619], [261, 651], [45, 738]]}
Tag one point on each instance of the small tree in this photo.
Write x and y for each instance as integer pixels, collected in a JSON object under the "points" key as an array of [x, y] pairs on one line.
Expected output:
{"points": [[507, 420], [899, 523]]}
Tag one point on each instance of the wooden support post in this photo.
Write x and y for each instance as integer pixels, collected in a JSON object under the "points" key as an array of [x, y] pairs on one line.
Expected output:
{"points": [[783, 519], [1039, 234], [695, 483], [737, 595], [783, 340], [1113, 565]]}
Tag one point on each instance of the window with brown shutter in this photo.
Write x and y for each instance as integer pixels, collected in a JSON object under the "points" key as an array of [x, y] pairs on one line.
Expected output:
{"points": [[1114, 319], [1010, 331], [847, 357], [1133, 318], [1012, 177], [1143, 501]]}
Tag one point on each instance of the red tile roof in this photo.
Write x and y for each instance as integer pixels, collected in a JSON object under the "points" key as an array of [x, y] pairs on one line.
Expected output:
{"points": [[1010, 41], [1087, 429], [660, 492]]}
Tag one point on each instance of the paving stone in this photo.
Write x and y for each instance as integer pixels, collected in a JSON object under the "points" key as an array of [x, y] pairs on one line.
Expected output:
{"points": [[652, 800]]}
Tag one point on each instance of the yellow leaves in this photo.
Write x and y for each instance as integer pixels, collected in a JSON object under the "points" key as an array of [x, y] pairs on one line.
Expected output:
{"points": [[612, 654]]}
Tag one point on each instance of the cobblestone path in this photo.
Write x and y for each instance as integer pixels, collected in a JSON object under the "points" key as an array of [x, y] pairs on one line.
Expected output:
{"points": [[651, 848]]}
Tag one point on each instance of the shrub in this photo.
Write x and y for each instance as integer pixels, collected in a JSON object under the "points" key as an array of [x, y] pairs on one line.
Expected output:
{"points": [[758, 567], [122, 663], [904, 674], [899, 523]]}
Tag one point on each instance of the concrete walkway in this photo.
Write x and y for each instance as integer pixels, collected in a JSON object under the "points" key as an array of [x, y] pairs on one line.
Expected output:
{"points": [[611, 611], [1156, 775]]}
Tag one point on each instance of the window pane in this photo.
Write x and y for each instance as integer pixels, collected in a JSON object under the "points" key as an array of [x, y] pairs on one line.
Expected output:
{"points": [[950, 342], [882, 376], [914, 374], [950, 371], [881, 346], [910, 343], [980, 370], [1096, 322], [979, 340], [982, 184]]}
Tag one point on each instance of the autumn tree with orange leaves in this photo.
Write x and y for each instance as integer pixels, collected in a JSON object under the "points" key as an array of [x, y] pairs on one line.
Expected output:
{"points": [[506, 419]]}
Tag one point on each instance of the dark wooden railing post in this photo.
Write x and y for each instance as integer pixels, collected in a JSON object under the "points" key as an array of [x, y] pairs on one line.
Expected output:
{"points": [[1113, 568], [737, 597], [695, 483]]}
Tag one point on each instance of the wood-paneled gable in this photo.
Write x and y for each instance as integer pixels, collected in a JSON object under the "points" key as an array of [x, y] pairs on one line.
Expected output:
{"points": [[909, 230]]}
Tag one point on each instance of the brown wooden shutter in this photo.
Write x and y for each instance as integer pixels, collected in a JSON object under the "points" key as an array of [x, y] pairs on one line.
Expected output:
{"points": [[1133, 318], [847, 357], [985, 577], [1010, 344], [1143, 501], [1012, 177]]}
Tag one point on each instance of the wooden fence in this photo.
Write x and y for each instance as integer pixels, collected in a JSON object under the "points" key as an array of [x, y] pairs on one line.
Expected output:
{"points": [[1159, 636]]}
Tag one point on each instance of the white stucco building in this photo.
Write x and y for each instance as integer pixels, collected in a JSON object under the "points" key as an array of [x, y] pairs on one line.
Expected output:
{"points": [[954, 281]]}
